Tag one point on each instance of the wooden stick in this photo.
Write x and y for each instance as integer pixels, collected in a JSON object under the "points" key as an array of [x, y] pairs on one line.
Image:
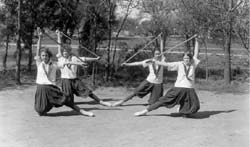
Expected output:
{"points": [[81, 45], [177, 45], [61, 45], [142, 48]]}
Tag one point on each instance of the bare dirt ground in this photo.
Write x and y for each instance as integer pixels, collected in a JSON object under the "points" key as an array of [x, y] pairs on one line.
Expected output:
{"points": [[223, 121]]}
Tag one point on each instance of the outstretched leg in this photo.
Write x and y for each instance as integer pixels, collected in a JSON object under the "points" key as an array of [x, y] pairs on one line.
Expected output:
{"points": [[170, 99], [142, 90], [150, 108], [83, 112], [123, 101], [94, 97]]}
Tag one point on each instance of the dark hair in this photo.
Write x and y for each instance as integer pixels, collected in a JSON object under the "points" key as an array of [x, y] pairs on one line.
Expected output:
{"points": [[66, 48], [47, 51], [157, 50], [188, 54]]}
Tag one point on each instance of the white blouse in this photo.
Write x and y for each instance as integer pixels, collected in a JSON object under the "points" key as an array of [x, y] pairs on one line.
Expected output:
{"points": [[69, 71], [186, 74], [155, 72], [46, 73]]}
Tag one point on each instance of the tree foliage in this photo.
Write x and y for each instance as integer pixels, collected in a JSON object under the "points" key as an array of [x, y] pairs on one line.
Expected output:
{"points": [[94, 21]]}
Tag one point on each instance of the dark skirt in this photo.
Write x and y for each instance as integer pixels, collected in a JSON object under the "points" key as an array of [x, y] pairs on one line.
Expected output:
{"points": [[46, 97], [74, 86], [185, 97], [145, 88]]}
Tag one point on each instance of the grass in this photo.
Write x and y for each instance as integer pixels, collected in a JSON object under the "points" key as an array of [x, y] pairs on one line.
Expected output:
{"points": [[215, 66], [218, 86]]}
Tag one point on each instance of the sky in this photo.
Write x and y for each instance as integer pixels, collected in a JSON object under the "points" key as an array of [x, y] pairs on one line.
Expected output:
{"points": [[121, 10], [135, 12]]}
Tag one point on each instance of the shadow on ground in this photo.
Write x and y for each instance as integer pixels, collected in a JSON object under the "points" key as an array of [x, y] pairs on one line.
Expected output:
{"points": [[106, 108], [128, 105], [63, 113], [93, 102], [198, 115], [72, 113]]}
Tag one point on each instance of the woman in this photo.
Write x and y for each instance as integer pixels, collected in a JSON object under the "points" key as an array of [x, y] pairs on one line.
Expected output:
{"points": [[152, 84], [183, 93], [71, 84], [48, 95]]}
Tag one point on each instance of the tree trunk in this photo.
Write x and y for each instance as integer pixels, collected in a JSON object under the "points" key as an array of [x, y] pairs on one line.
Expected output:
{"points": [[115, 46], [228, 37], [227, 69], [6, 53], [94, 68], [206, 60], [109, 43], [29, 47], [188, 46], [116, 37], [30, 38], [18, 44]]}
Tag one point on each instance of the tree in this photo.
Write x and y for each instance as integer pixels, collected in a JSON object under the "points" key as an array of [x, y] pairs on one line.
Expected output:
{"points": [[226, 17], [8, 29], [162, 18], [242, 25], [29, 20], [217, 17], [18, 44], [93, 27], [194, 18], [110, 6], [127, 5]]}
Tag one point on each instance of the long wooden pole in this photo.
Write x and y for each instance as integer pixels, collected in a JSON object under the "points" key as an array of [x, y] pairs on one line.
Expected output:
{"points": [[81, 45], [61, 45], [177, 45], [142, 48]]}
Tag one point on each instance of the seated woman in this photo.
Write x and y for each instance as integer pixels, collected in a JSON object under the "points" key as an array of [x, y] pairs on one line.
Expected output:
{"points": [[48, 95], [183, 93]]}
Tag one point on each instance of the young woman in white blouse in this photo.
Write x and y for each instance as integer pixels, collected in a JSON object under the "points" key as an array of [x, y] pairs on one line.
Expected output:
{"points": [[71, 84], [183, 92], [152, 84], [48, 95]]}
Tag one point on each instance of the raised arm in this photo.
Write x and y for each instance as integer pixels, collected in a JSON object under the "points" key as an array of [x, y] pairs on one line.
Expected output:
{"points": [[58, 33], [196, 48], [38, 47]]}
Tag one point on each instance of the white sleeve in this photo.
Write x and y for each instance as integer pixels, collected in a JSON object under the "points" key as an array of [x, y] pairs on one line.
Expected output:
{"points": [[83, 59], [60, 63], [58, 55], [173, 66], [145, 64]]}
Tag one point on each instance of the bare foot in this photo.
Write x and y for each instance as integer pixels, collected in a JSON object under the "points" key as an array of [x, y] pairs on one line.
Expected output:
{"points": [[90, 114], [119, 103], [141, 113], [105, 103]]}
